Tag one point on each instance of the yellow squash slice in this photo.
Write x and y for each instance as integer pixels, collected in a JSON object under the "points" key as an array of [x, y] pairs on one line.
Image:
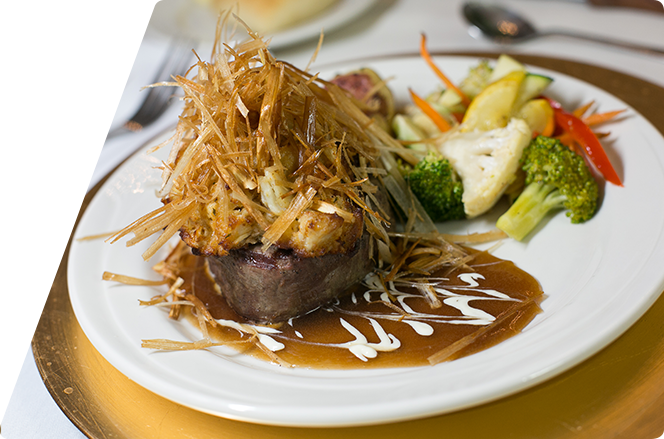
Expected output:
{"points": [[492, 108]]}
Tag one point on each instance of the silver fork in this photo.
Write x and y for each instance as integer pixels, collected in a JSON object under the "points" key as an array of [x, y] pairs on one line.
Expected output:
{"points": [[157, 100], [81, 105]]}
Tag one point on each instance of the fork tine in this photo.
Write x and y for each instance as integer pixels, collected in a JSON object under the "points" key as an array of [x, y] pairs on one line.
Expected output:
{"points": [[157, 100], [177, 61]]}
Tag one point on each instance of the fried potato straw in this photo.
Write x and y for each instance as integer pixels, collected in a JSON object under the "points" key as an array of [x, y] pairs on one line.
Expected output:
{"points": [[259, 143]]}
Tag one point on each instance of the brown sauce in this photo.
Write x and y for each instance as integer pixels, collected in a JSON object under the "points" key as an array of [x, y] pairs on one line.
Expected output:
{"points": [[509, 296]]}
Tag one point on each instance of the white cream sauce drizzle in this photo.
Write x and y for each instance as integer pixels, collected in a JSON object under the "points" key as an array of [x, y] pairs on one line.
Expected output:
{"points": [[298, 334], [260, 331], [270, 343], [421, 328], [361, 348], [458, 297]]}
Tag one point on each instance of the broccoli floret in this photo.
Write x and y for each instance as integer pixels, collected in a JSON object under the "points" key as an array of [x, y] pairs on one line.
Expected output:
{"points": [[556, 177], [437, 187], [404, 168], [477, 79]]}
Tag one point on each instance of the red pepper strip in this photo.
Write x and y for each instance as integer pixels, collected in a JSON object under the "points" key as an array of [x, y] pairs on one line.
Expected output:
{"points": [[458, 116], [585, 137]]}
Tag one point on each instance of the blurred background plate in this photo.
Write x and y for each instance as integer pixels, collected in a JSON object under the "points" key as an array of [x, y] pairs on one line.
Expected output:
{"points": [[197, 19]]}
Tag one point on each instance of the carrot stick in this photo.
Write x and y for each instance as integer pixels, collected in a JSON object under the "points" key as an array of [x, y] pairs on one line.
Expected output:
{"points": [[579, 112], [423, 105], [427, 57], [598, 118]]}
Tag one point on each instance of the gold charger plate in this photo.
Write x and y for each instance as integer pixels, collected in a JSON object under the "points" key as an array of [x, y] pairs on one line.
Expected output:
{"points": [[617, 393]]}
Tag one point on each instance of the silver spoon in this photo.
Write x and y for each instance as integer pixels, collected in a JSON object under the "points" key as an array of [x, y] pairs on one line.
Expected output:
{"points": [[505, 26]]}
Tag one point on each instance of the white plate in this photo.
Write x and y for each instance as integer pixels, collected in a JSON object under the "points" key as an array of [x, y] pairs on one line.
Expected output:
{"points": [[190, 18], [600, 277]]}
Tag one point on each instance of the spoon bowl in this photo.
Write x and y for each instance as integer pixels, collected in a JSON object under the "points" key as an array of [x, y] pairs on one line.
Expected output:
{"points": [[498, 23], [504, 26]]}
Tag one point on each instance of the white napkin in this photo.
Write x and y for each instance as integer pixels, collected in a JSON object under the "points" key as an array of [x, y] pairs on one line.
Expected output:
{"points": [[29, 225]]}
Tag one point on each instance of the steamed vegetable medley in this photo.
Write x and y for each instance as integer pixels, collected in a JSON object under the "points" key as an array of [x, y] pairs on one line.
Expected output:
{"points": [[495, 135]]}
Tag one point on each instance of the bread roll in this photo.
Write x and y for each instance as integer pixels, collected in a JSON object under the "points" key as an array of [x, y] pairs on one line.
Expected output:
{"points": [[268, 16]]}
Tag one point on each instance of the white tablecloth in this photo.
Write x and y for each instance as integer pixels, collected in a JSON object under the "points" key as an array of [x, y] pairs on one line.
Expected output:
{"points": [[44, 42]]}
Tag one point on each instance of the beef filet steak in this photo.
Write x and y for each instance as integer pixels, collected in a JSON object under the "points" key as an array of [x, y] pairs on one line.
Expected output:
{"points": [[274, 285]]}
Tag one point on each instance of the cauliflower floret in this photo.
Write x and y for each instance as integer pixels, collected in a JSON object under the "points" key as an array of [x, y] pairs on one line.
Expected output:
{"points": [[486, 162]]}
